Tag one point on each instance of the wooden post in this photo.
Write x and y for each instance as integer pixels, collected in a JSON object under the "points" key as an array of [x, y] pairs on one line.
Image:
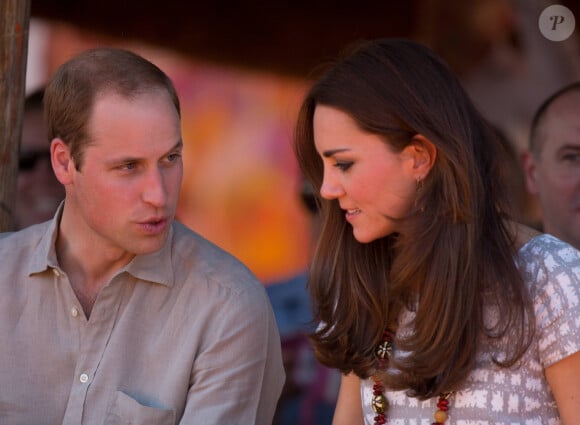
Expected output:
{"points": [[14, 24]]}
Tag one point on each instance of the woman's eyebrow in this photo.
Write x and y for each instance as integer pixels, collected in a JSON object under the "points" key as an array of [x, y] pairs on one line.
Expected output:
{"points": [[331, 152]]}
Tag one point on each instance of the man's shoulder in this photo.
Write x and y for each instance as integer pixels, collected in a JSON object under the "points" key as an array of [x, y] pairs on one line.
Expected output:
{"points": [[5, 234], [20, 249], [199, 257], [29, 236]]}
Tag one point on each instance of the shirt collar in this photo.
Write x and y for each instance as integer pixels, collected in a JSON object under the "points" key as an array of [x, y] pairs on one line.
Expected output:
{"points": [[156, 267], [44, 254]]}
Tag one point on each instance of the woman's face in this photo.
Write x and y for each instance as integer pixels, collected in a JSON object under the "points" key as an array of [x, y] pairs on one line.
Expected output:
{"points": [[374, 185]]}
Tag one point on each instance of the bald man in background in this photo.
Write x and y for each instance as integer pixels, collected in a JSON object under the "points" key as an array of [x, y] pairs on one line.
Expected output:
{"points": [[552, 164]]}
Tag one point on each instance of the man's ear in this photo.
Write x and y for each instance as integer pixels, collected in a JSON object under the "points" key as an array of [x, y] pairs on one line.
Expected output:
{"points": [[423, 154], [62, 162], [530, 169]]}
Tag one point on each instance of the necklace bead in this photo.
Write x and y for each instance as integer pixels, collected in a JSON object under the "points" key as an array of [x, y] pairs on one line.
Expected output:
{"points": [[379, 402], [440, 416]]}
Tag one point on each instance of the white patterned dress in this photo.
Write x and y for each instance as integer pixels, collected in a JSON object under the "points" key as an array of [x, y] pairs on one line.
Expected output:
{"points": [[515, 396]]}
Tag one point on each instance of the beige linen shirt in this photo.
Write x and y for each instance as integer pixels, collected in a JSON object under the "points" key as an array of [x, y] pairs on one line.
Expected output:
{"points": [[185, 335]]}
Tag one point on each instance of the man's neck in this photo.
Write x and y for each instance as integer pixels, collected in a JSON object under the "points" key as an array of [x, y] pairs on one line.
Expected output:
{"points": [[89, 262]]}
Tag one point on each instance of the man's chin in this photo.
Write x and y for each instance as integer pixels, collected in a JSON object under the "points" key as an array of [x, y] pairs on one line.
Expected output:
{"points": [[151, 245]]}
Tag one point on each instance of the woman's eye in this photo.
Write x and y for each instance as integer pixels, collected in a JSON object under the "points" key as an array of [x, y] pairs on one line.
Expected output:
{"points": [[343, 166]]}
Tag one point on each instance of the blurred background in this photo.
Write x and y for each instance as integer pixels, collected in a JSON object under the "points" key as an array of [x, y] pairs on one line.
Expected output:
{"points": [[241, 69]]}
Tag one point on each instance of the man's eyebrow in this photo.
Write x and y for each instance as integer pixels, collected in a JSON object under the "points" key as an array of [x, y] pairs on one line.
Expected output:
{"points": [[126, 159], [331, 152], [178, 145]]}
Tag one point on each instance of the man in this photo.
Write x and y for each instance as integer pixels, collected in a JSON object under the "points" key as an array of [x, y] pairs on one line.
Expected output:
{"points": [[38, 192], [552, 164], [114, 312]]}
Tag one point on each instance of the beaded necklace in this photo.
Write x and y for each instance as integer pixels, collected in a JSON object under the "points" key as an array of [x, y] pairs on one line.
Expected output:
{"points": [[379, 401]]}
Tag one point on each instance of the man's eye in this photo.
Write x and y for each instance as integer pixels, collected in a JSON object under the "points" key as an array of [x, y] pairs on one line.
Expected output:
{"points": [[128, 166], [173, 157], [572, 157]]}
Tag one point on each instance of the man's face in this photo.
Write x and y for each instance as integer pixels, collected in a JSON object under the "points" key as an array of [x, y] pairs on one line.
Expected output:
{"points": [[554, 174], [125, 195]]}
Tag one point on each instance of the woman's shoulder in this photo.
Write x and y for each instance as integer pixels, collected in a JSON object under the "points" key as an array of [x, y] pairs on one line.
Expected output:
{"points": [[545, 257], [548, 249], [551, 269], [542, 249]]}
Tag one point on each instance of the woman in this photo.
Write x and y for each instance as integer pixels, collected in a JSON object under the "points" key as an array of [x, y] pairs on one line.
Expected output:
{"points": [[432, 303]]}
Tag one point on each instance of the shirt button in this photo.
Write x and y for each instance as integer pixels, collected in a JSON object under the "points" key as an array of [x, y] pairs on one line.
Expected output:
{"points": [[56, 272], [84, 378], [74, 311]]}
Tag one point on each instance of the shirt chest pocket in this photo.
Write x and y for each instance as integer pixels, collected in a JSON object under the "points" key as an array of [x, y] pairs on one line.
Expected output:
{"points": [[124, 410]]}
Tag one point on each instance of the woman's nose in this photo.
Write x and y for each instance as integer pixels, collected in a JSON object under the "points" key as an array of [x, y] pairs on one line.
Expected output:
{"points": [[330, 189]]}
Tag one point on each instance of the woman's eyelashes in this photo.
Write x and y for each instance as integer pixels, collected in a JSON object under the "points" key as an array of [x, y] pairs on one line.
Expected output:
{"points": [[343, 165]]}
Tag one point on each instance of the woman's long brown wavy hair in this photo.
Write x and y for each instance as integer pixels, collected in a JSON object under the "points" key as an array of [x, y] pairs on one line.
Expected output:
{"points": [[454, 261]]}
